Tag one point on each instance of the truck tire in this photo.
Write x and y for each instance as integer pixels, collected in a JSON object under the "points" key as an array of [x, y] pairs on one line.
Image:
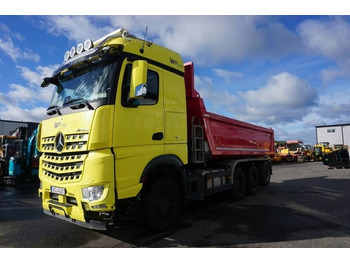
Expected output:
{"points": [[239, 184], [252, 180], [265, 174], [162, 205]]}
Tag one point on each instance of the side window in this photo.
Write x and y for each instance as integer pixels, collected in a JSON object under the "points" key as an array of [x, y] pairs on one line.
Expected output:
{"points": [[152, 95]]}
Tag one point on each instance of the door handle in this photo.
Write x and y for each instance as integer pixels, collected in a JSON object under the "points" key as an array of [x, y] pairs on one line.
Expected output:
{"points": [[158, 136]]}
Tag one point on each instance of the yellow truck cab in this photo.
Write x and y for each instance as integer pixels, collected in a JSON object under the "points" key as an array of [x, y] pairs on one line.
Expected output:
{"points": [[98, 91], [126, 129]]}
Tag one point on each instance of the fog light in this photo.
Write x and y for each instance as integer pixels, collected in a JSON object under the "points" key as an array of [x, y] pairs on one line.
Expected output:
{"points": [[93, 193]]}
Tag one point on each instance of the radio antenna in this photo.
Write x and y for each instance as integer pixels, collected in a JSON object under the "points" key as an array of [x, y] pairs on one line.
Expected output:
{"points": [[144, 40]]}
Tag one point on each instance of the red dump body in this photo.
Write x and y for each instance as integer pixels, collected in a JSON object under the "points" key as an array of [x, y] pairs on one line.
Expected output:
{"points": [[227, 138]]}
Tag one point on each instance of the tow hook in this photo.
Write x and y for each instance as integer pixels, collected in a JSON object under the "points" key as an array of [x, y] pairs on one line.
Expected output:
{"points": [[52, 212]]}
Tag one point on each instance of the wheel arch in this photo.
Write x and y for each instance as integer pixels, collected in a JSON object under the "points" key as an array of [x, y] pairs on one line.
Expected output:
{"points": [[165, 166]]}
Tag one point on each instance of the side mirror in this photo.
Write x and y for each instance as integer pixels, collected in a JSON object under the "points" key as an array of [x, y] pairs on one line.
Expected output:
{"points": [[138, 85], [52, 80], [45, 82]]}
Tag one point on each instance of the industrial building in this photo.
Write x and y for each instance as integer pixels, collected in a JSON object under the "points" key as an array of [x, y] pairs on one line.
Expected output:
{"points": [[6, 126], [334, 134]]}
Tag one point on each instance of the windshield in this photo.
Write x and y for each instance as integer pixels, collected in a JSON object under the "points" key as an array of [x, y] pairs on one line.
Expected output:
{"points": [[318, 149], [294, 147], [91, 82]]}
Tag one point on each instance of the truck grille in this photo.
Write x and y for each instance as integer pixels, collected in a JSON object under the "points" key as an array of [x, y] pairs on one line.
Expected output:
{"points": [[63, 167], [72, 143]]}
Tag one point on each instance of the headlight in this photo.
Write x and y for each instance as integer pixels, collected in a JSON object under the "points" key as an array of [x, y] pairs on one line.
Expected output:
{"points": [[93, 193]]}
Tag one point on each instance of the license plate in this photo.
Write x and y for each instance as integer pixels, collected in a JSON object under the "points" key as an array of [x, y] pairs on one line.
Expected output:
{"points": [[58, 190]]}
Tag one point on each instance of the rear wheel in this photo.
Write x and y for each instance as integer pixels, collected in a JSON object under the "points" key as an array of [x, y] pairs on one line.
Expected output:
{"points": [[162, 205], [239, 184], [265, 174], [252, 180]]}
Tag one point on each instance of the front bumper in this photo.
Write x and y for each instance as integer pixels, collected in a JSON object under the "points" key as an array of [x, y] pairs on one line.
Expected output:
{"points": [[92, 224], [95, 168]]}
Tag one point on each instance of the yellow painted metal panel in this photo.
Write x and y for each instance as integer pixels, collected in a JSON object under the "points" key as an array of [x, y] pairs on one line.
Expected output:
{"points": [[175, 128], [101, 129], [130, 163]]}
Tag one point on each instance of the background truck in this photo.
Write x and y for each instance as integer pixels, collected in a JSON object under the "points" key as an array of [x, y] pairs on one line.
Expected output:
{"points": [[321, 149], [126, 130], [7, 149], [293, 151], [19, 157], [24, 164], [308, 151]]}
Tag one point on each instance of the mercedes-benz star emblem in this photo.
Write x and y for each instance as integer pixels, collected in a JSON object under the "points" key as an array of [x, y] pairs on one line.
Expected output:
{"points": [[59, 142]]}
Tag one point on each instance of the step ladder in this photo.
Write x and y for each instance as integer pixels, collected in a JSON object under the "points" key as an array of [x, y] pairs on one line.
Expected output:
{"points": [[197, 143]]}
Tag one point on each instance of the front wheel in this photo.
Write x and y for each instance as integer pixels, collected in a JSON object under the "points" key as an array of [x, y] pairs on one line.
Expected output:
{"points": [[162, 205]]}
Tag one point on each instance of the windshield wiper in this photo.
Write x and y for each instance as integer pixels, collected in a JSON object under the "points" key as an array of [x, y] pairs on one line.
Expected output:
{"points": [[53, 110], [79, 105]]}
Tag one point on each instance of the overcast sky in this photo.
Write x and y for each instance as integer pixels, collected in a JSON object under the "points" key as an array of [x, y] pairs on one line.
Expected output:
{"points": [[286, 72]]}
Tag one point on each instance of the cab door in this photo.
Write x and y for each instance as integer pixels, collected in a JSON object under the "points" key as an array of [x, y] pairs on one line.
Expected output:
{"points": [[138, 129]]}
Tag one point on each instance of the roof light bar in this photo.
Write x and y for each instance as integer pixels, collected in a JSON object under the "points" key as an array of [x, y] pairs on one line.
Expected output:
{"points": [[88, 44], [81, 47]]}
